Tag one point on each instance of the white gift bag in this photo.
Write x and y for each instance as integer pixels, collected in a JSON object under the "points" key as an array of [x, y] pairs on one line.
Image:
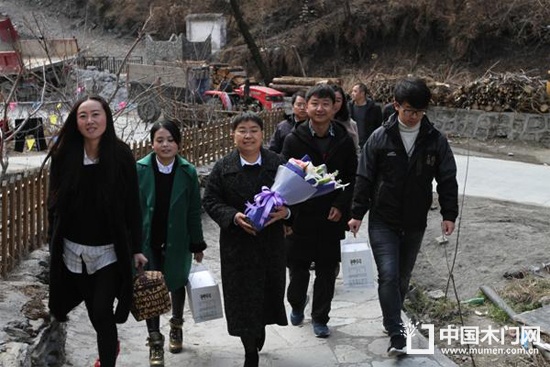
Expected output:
{"points": [[357, 263], [204, 295]]}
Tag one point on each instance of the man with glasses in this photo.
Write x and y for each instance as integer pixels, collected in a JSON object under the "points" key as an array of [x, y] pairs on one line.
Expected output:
{"points": [[394, 184], [299, 114]]}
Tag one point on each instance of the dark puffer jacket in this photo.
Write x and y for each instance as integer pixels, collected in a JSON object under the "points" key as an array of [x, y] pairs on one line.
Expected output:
{"points": [[283, 129]]}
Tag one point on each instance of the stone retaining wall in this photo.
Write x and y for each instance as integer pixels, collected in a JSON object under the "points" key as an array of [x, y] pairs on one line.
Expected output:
{"points": [[28, 336], [490, 125]]}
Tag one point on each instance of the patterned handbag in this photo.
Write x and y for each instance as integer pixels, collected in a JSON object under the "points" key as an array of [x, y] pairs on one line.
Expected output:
{"points": [[151, 297]]}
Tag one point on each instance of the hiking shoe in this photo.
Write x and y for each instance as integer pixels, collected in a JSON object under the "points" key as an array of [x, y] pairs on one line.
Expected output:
{"points": [[176, 338], [320, 330], [156, 349], [398, 346], [297, 315]]}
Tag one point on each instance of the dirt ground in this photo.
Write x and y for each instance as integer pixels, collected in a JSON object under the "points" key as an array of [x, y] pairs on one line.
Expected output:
{"points": [[492, 238]]}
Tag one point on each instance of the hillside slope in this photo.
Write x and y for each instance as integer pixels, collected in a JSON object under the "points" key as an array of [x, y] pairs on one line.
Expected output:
{"points": [[445, 37], [445, 41]]}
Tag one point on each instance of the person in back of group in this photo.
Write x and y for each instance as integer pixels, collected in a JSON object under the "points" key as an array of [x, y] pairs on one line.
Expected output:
{"points": [[94, 223], [388, 110], [342, 115], [365, 112], [299, 114], [319, 224], [172, 228], [252, 263], [394, 184]]}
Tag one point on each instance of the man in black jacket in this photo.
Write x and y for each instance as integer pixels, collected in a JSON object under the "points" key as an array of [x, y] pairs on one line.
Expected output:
{"points": [[365, 112], [394, 183], [320, 223], [299, 114]]}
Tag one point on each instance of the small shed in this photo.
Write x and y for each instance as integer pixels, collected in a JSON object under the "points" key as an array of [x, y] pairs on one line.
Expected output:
{"points": [[200, 26]]}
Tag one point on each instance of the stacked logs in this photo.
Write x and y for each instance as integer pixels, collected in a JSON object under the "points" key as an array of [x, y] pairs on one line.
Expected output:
{"points": [[381, 87], [492, 93], [381, 90], [504, 93], [292, 84], [224, 74]]}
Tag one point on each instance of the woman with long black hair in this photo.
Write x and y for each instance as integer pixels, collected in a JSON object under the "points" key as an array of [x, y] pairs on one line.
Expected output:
{"points": [[94, 222]]}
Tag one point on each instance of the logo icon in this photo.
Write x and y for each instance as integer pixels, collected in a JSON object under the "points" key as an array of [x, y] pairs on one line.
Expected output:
{"points": [[411, 331]]}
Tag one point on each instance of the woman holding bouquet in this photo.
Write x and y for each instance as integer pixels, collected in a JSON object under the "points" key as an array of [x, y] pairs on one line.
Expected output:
{"points": [[252, 263]]}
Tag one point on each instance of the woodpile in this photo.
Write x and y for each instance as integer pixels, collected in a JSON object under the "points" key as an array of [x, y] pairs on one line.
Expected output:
{"points": [[504, 93], [292, 84], [225, 74], [493, 93], [381, 87], [381, 90]]}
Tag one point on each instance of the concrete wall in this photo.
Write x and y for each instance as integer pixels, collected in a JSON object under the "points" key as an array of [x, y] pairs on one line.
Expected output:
{"points": [[201, 26], [176, 48], [490, 125]]}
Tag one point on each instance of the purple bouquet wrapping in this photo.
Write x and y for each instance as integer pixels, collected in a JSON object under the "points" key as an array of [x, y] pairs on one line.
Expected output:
{"points": [[296, 181]]}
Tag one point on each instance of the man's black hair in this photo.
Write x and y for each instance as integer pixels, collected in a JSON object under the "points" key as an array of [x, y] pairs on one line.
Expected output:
{"points": [[321, 91], [295, 96], [414, 91]]}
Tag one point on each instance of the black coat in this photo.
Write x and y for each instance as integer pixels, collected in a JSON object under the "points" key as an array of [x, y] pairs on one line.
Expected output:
{"points": [[373, 120], [125, 220], [253, 267], [397, 189], [314, 237], [283, 129]]}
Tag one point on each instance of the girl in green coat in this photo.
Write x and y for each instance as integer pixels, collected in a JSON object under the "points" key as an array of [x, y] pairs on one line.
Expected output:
{"points": [[172, 230]]}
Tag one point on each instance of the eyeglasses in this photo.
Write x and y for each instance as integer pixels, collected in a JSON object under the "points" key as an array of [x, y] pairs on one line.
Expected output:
{"points": [[409, 112], [300, 105], [244, 132]]}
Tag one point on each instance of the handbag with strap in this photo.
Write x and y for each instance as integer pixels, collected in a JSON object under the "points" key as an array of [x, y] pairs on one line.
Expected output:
{"points": [[151, 297]]}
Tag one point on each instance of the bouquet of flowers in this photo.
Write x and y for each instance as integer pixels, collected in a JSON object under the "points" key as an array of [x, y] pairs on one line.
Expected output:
{"points": [[296, 181]]}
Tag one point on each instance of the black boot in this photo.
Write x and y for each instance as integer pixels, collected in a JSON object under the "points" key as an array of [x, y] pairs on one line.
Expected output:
{"points": [[176, 338], [156, 349], [261, 340], [251, 357]]}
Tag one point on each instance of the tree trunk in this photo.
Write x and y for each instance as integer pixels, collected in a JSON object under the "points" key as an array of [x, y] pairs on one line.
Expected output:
{"points": [[347, 10], [245, 31]]}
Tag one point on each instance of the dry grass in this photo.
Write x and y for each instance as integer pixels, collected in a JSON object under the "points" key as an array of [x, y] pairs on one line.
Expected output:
{"points": [[525, 294]]}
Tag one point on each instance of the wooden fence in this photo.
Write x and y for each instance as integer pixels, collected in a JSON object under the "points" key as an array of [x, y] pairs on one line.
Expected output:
{"points": [[24, 210], [110, 63]]}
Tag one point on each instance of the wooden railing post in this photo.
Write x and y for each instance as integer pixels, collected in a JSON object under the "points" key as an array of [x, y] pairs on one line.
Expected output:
{"points": [[5, 248], [11, 224]]}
